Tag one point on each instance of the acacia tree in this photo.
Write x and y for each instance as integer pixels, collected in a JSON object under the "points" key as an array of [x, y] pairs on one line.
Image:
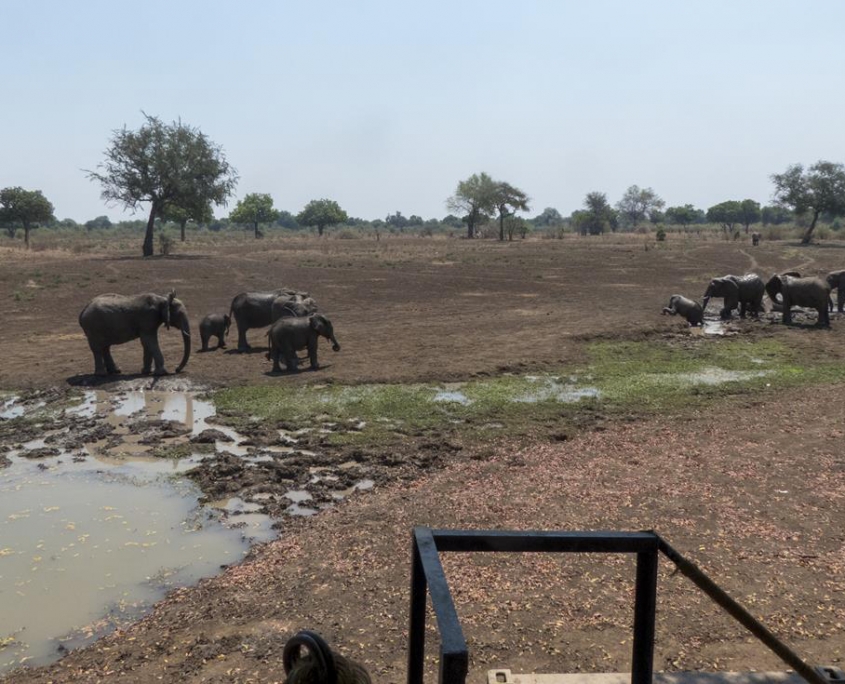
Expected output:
{"points": [[253, 209], [321, 213], [475, 198], [638, 203], [598, 215], [683, 216], [167, 165], [28, 208], [181, 215], [818, 190], [750, 211], [508, 200], [726, 213]]}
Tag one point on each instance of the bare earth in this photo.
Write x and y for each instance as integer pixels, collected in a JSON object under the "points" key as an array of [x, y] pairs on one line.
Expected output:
{"points": [[752, 489]]}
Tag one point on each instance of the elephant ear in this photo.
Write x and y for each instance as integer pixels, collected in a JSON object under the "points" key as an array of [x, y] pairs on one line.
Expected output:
{"points": [[318, 323]]}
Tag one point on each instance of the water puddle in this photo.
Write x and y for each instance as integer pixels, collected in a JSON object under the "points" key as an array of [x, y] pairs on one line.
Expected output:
{"points": [[114, 536], [711, 376], [452, 396], [552, 389], [13, 408]]}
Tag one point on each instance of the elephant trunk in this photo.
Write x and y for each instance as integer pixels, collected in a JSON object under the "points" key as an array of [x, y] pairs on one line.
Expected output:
{"points": [[335, 345], [704, 304], [186, 339]]}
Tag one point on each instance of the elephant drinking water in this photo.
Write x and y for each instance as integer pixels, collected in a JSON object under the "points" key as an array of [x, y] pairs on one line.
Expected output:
{"points": [[114, 319]]}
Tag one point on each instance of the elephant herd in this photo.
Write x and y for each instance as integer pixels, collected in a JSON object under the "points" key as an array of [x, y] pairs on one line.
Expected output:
{"points": [[785, 290], [112, 319]]}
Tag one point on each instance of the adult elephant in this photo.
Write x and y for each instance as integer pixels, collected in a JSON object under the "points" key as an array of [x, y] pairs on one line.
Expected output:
{"points": [[254, 310], [813, 293], [114, 319], [836, 280], [743, 291], [292, 306]]}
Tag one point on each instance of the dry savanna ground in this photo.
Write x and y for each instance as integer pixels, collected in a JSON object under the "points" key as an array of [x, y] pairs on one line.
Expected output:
{"points": [[750, 484]]}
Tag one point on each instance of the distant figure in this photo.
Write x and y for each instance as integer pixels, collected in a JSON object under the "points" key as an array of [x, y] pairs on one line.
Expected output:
{"points": [[755, 239], [321, 665], [687, 308]]}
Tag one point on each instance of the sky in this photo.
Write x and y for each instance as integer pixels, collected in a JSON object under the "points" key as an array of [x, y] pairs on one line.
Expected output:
{"points": [[386, 106]]}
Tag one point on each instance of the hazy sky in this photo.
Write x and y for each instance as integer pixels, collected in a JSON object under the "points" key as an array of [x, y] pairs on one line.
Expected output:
{"points": [[385, 106]]}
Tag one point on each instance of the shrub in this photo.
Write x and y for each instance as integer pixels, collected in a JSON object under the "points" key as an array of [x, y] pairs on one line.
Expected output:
{"points": [[347, 234], [660, 235], [165, 244]]}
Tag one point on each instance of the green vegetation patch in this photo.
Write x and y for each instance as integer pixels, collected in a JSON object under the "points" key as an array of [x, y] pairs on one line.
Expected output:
{"points": [[623, 377]]}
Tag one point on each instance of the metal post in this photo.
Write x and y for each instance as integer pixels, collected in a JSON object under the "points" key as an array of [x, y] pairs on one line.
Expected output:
{"points": [[645, 607], [416, 631]]}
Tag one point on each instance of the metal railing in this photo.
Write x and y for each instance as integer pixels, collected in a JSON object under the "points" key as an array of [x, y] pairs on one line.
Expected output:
{"points": [[427, 577]]}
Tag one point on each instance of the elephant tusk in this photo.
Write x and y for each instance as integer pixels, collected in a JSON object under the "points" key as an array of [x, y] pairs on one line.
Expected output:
{"points": [[186, 334]]}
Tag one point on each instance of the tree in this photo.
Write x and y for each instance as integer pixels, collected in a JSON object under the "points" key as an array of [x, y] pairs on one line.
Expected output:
{"points": [[775, 215], [414, 220], [550, 217], [28, 208], [474, 197], [508, 200], [637, 203], [452, 221], [597, 217], [99, 223], [683, 216], [253, 209], [820, 189], [396, 220], [287, 220], [726, 213], [321, 213], [166, 165], [181, 216], [750, 213]]}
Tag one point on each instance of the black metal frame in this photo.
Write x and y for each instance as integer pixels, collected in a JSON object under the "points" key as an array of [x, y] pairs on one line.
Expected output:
{"points": [[427, 576]]}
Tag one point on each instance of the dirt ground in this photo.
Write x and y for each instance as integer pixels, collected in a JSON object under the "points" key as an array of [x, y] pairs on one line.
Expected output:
{"points": [[751, 489], [403, 309]]}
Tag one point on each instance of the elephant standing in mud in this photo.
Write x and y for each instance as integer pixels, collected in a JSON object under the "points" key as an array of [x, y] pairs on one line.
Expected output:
{"points": [[836, 280], [114, 319], [813, 293], [290, 335], [687, 308], [214, 325], [254, 310], [745, 291]]}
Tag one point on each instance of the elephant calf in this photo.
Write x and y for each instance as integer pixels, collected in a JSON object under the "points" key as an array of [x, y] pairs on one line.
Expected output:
{"points": [[814, 293], [290, 335], [687, 308], [836, 280], [214, 325]]}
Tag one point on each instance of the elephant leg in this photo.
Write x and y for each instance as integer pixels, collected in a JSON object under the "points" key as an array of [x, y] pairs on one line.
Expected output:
{"points": [[840, 297], [151, 347], [312, 353], [204, 340], [824, 317], [221, 344], [99, 359], [290, 358], [243, 345], [742, 309], [787, 312], [276, 355], [111, 366], [148, 361]]}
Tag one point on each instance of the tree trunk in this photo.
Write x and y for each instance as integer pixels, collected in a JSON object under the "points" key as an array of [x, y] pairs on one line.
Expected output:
{"points": [[148, 236], [320, 230], [182, 227], [255, 227], [26, 234], [809, 234], [501, 227]]}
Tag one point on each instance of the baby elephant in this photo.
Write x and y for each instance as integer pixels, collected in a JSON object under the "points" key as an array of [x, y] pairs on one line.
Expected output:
{"points": [[289, 335], [214, 325], [687, 308]]}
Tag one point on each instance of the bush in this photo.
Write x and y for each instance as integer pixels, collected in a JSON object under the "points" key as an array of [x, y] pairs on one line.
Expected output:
{"points": [[347, 234], [660, 235], [165, 244]]}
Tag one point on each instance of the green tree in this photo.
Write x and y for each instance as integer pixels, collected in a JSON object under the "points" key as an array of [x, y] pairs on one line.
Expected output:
{"points": [[638, 203], [180, 215], [508, 200], [550, 218], [287, 220], [818, 190], [396, 220], [27, 208], [452, 221], [682, 216], [727, 214], [167, 165], [775, 215], [598, 215], [750, 213], [475, 199], [254, 209], [321, 213], [99, 223]]}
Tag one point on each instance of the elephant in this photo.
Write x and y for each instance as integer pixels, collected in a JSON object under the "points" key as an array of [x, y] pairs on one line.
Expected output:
{"points": [[295, 306], [836, 280], [755, 239], [254, 310], [778, 305], [289, 335], [813, 293], [214, 325], [111, 319], [687, 308], [745, 291]]}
